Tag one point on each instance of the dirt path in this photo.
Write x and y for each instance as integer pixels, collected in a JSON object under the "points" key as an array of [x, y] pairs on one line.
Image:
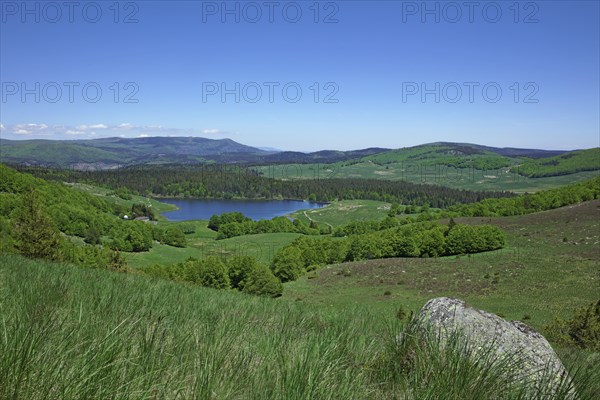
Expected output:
{"points": [[310, 219]]}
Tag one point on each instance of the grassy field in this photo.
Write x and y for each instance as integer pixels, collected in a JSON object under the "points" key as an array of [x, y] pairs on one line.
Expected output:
{"points": [[460, 178], [70, 333], [202, 244], [341, 212], [550, 268]]}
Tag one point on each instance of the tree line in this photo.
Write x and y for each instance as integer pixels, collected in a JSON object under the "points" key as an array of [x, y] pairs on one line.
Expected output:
{"points": [[529, 202], [224, 182], [233, 224], [242, 273], [79, 214], [425, 239]]}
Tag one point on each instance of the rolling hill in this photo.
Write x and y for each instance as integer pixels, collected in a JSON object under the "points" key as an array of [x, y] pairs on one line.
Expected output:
{"points": [[109, 153], [460, 155], [112, 152], [564, 164]]}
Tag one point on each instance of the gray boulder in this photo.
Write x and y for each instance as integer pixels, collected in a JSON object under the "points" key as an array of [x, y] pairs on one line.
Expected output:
{"points": [[536, 363]]}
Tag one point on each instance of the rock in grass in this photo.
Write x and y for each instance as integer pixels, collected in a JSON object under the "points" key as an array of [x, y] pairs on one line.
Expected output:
{"points": [[532, 359]]}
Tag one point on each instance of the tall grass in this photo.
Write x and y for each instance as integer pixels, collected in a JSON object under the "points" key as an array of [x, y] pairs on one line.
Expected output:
{"points": [[418, 363], [72, 333], [69, 333]]}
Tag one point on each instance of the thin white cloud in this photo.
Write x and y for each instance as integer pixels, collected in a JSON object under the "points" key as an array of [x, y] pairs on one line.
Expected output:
{"points": [[98, 130], [2, 128], [126, 126], [31, 127], [88, 127], [211, 131]]}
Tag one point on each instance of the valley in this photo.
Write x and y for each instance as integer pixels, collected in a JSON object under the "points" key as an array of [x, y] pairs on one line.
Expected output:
{"points": [[362, 263], [307, 200]]}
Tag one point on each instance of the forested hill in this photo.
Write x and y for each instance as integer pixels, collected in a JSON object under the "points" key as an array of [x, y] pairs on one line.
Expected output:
{"points": [[564, 164], [461, 155], [234, 182], [110, 153]]}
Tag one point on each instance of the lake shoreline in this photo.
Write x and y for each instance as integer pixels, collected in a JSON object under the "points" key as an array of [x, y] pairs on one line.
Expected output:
{"points": [[194, 209]]}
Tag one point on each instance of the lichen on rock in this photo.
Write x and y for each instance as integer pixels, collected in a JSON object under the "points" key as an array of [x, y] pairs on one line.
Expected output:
{"points": [[533, 361]]}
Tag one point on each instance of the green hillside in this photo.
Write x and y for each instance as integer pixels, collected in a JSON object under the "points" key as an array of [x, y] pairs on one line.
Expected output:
{"points": [[110, 152], [90, 326], [548, 268], [449, 154], [461, 166], [565, 164], [70, 333]]}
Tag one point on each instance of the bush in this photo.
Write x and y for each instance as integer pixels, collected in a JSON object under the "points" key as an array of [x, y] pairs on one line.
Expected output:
{"points": [[261, 282], [466, 239], [217, 220], [34, 231], [582, 330], [211, 272], [188, 228], [364, 247], [92, 236], [174, 236], [131, 236], [288, 264], [142, 210], [239, 269]]}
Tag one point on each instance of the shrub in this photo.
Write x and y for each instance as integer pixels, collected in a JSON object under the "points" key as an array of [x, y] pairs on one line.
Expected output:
{"points": [[174, 236], [34, 231], [217, 220], [211, 272], [288, 264], [239, 269], [261, 282], [465, 239], [364, 247], [582, 330], [187, 228], [92, 236], [402, 314]]}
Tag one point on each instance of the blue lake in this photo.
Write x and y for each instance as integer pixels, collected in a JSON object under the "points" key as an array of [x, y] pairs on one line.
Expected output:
{"points": [[190, 209]]}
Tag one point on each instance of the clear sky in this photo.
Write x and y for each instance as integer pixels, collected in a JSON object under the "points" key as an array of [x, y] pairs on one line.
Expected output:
{"points": [[376, 73]]}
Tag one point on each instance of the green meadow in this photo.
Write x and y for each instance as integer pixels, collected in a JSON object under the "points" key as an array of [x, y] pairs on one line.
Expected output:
{"points": [[550, 267], [502, 178]]}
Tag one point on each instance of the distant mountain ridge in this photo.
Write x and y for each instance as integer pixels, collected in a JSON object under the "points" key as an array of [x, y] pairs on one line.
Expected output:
{"points": [[113, 152]]}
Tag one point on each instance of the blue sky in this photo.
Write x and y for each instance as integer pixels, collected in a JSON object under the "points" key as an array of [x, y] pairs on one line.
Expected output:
{"points": [[163, 72]]}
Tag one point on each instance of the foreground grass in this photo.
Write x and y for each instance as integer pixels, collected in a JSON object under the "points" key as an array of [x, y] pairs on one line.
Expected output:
{"points": [[68, 333]]}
